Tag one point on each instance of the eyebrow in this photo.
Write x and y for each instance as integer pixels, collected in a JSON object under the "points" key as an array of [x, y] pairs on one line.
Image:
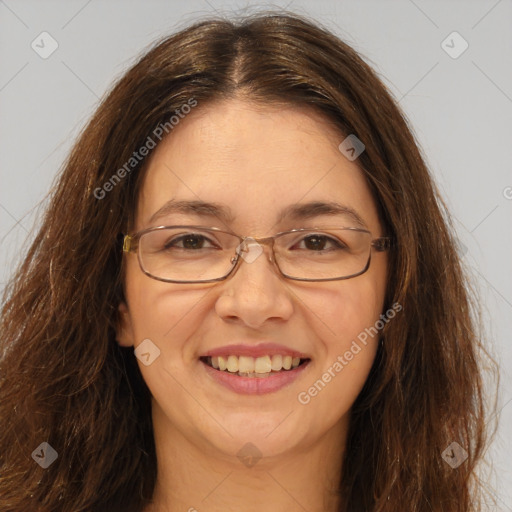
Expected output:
{"points": [[293, 212]]}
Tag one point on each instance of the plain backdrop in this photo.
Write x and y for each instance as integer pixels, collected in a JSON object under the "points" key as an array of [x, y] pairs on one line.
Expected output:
{"points": [[459, 104]]}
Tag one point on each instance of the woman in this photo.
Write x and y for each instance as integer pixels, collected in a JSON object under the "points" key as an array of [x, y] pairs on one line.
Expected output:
{"points": [[244, 295]]}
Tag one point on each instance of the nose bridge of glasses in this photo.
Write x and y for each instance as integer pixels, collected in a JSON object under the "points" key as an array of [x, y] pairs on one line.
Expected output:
{"points": [[251, 248]]}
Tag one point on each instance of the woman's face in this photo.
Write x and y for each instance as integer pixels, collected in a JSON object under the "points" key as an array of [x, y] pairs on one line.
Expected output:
{"points": [[254, 162]]}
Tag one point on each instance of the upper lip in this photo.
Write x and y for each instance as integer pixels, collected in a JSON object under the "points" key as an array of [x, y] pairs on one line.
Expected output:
{"points": [[259, 350]]}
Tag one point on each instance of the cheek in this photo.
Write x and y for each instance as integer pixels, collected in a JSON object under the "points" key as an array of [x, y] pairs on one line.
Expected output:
{"points": [[169, 315], [345, 322], [341, 311], [359, 306]]}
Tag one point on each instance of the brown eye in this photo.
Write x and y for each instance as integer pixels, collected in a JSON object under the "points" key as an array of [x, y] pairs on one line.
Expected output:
{"points": [[318, 242], [188, 241]]}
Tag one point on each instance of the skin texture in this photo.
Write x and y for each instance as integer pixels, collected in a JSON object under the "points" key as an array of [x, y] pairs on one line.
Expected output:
{"points": [[256, 160]]}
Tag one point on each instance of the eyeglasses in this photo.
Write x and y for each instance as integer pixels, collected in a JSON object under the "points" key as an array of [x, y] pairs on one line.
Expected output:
{"points": [[195, 254]]}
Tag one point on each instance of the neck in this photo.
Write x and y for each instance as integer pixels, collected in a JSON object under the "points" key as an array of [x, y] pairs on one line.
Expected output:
{"points": [[194, 478]]}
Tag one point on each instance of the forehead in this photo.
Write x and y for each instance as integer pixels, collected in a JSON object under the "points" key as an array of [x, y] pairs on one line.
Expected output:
{"points": [[255, 160]]}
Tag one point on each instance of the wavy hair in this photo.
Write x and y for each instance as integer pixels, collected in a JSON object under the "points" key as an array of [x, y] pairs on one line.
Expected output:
{"points": [[65, 380]]}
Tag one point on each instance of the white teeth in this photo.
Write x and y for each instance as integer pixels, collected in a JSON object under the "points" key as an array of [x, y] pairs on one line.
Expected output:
{"points": [[246, 366], [263, 364], [277, 362], [232, 364]]}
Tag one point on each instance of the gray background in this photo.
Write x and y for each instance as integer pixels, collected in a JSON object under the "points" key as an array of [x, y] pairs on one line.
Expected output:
{"points": [[460, 110]]}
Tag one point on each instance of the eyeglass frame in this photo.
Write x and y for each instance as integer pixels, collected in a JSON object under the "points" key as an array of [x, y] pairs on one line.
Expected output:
{"points": [[131, 244]]}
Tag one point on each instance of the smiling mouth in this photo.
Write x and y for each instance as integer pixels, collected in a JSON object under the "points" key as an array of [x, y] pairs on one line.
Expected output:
{"points": [[256, 367]]}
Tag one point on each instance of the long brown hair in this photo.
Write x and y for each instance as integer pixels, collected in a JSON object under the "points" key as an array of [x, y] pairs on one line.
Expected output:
{"points": [[65, 380]]}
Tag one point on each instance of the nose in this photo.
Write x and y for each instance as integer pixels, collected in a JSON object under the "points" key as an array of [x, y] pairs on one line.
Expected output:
{"points": [[256, 292]]}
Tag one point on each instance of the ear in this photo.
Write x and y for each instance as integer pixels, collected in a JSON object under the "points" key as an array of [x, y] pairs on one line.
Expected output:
{"points": [[124, 331]]}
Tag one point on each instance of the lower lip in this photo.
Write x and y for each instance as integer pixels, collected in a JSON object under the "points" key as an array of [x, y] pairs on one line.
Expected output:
{"points": [[256, 385]]}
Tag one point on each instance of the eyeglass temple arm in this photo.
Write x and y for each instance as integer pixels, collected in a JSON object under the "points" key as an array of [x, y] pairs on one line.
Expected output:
{"points": [[130, 243], [383, 243]]}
